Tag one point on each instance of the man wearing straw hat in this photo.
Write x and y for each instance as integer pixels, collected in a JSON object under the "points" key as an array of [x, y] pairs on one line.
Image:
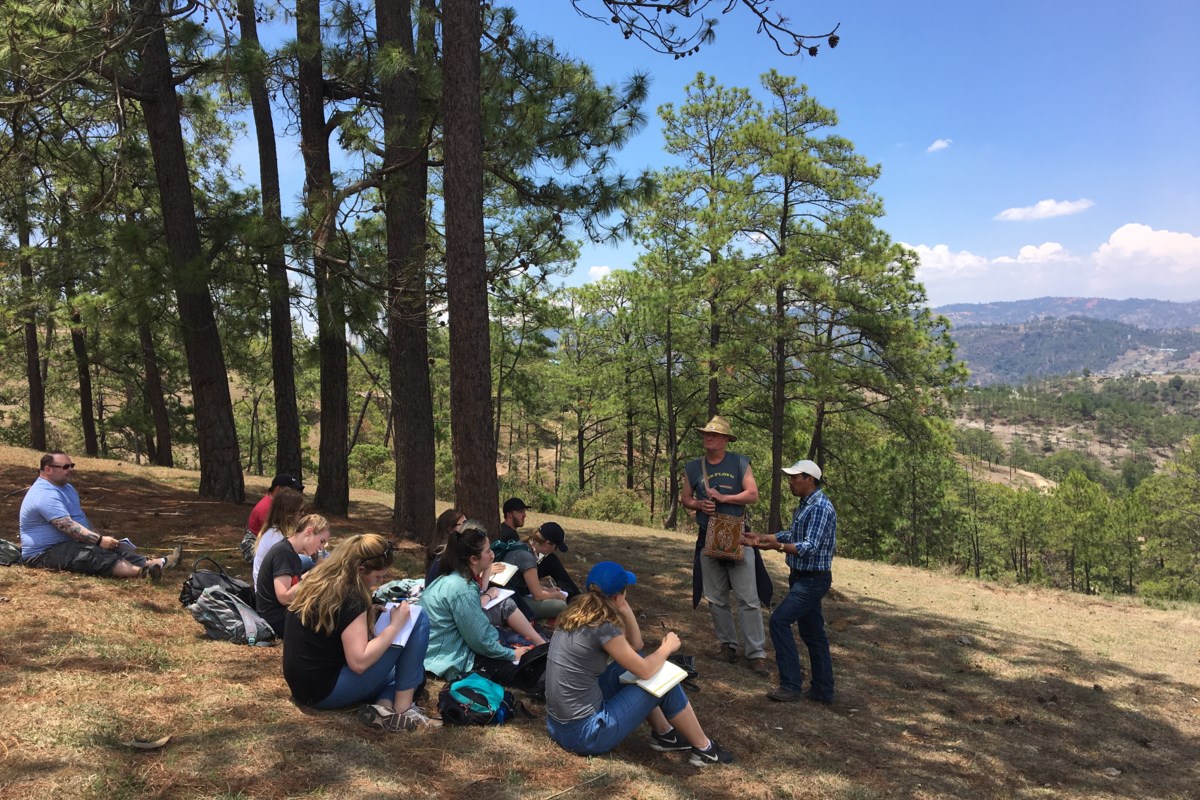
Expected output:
{"points": [[721, 482]]}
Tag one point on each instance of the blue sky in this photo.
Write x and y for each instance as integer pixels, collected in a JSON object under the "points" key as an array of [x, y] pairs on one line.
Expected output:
{"points": [[1028, 148]]}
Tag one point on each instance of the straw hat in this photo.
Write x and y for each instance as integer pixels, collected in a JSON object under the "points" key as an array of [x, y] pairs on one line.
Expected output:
{"points": [[719, 424]]}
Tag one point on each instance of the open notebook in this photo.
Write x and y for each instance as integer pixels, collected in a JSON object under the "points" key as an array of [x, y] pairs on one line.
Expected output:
{"points": [[660, 682], [502, 578], [385, 617]]}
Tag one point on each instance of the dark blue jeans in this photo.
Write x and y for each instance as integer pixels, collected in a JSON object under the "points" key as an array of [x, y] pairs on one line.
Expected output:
{"points": [[398, 668], [802, 607], [625, 707]]}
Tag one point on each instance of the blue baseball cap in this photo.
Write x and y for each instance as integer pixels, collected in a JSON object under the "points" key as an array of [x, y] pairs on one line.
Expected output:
{"points": [[610, 578]]}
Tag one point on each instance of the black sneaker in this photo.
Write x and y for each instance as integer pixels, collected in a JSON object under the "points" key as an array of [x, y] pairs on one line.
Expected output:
{"points": [[715, 754], [666, 742]]}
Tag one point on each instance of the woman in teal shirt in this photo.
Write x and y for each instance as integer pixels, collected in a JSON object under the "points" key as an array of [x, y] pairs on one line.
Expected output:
{"points": [[461, 638]]}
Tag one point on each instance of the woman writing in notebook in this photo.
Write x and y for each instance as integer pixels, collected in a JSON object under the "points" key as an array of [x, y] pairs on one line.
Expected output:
{"points": [[588, 710], [331, 659], [461, 638]]}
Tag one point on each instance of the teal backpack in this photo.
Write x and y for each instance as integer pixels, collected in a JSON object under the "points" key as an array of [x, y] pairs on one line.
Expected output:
{"points": [[475, 700]]}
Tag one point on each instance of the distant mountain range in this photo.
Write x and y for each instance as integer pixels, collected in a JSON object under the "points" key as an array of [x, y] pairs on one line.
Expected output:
{"points": [[1013, 342], [1155, 314]]}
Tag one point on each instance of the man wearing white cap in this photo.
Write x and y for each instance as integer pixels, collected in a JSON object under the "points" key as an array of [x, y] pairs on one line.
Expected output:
{"points": [[721, 482], [808, 545]]}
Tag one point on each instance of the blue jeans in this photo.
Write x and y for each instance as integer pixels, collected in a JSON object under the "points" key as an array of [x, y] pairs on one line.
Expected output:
{"points": [[625, 707], [399, 668], [802, 607]]}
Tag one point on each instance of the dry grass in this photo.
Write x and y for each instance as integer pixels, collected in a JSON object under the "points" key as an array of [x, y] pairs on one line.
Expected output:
{"points": [[947, 687]]}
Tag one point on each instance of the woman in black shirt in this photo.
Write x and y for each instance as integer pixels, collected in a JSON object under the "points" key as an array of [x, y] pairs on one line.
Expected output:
{"points": [[330, 657]]}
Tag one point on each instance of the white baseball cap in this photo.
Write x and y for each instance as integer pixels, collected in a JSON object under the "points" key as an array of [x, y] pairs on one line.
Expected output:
{"points": [[805, 466]]}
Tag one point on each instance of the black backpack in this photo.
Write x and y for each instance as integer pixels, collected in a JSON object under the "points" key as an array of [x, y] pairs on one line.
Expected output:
{"points": [[201, 579], [226, 618]]}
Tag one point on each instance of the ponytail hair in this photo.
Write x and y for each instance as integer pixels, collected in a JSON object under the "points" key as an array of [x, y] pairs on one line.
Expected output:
{"points": [[589, 610], [461, 547]]}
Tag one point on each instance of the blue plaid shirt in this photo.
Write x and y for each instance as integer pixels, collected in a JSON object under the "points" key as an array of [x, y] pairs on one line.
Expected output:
{"points": [[814, 532]]}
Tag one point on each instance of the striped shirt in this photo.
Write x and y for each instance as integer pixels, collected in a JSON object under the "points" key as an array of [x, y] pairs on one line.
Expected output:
{"points": [[814, 532]]}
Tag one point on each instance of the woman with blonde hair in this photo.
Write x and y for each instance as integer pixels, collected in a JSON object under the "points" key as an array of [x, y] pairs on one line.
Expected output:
{"points": [[588, 710], [330, 659], [279, 577], [281, 523]]}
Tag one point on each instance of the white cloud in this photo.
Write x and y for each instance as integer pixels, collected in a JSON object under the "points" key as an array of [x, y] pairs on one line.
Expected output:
{"points": [[598, 272], [1165, 254], [1044, 209], [1135, 261], [939, 144], [944, 262], [1037, 254]]}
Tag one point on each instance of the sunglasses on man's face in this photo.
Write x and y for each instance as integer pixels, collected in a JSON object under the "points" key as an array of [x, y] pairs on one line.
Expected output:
{"points": [[62, 466]]}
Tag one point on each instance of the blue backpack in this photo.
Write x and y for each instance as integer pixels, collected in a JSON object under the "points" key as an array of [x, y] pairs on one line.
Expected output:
{"points": [[475, 700]]}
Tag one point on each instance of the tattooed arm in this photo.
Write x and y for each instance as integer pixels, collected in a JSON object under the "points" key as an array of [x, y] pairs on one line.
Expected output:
{"points": [[79, 533]]}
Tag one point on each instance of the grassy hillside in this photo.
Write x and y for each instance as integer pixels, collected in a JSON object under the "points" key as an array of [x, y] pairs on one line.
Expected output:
{"points": [[947, 687]]}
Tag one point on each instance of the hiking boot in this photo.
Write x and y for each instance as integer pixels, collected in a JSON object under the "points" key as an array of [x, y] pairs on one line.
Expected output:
{"points": [[816, 698], [781, 694], [666, 742], [715, 754], [375, 716], [411, 719], [172, 560], [759, 666], [727, 653]]}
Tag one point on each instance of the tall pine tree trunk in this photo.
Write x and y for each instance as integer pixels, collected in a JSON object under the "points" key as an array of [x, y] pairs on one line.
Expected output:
{"points": [[475, 484], [283, 372], [163, 454], [333, 477], [672, 520], [33, 367], [408, 314], [778, 404], [83, 370], [216, 435]]}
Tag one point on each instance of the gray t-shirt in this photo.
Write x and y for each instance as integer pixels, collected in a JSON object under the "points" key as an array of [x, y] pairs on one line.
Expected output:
{"points": [[573, 668], [524, 560]]}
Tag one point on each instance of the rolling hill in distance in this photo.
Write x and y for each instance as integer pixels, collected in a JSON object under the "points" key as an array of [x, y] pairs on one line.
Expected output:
{"points": [[1013, 342]]}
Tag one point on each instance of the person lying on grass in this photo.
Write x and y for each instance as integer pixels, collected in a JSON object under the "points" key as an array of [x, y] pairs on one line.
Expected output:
{"points": [[461, 638], [279, 574], [588, 710], [330, 659]]}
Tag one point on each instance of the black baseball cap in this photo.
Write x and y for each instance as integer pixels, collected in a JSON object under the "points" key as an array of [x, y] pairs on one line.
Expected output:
{"points": [[288, 481], [514, 504], [553, 532]]}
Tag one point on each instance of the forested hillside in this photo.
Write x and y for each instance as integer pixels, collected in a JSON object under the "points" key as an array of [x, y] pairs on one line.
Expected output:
{"points": [[1014, 353]]}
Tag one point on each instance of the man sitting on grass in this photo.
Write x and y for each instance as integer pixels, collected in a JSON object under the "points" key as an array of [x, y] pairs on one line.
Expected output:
{"points": [[55, 533]]}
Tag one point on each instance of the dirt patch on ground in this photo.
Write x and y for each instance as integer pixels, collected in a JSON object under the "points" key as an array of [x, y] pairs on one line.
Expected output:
{"points": [[946, 687]]}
